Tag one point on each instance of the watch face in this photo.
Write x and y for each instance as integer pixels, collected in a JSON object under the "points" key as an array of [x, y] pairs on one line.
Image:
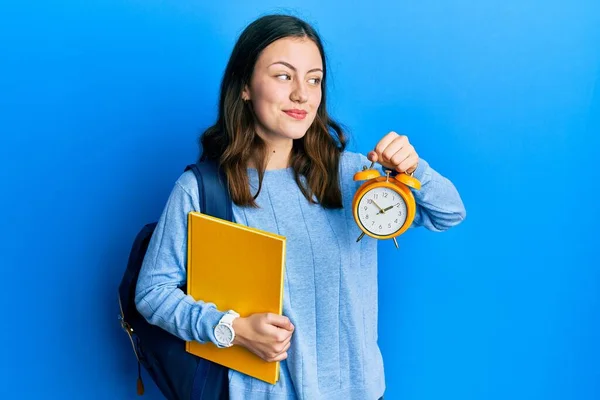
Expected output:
{"points": [[382, 211], [223, 334]]}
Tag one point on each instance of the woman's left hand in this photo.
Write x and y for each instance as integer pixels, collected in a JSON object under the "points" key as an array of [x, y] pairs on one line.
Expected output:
{"points": [[396, 153]]}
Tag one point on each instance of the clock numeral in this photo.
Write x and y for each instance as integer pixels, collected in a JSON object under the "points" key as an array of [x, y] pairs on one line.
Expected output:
{"points": [[367, 216], [399, 213], [365, 208], [389, 225], [393, 198], [369, 201], [375, 196], [372, 223], [385, 195], [396, 220], [397, 204], [379, 226]]}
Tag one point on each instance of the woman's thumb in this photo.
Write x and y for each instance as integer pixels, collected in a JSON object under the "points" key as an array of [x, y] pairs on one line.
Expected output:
{"points": [[283, 322], [372, 156]]}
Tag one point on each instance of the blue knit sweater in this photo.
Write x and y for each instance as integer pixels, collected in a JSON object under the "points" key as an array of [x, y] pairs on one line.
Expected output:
{"points": [[330, 292]]}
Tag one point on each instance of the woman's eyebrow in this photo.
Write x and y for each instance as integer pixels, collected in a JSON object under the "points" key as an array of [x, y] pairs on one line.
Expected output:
{"points": [[290, 66]]}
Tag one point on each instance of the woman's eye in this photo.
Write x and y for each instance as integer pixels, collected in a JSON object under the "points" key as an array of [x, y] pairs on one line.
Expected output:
{"points": [[283, 77], [314, 81]]}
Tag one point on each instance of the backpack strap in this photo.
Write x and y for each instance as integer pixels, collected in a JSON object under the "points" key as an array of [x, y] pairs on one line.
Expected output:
{"points": [[210, 381], [214, 194]]}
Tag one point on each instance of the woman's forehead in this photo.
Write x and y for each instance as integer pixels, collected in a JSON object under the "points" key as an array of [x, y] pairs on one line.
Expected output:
{"points": [[301, 53]]}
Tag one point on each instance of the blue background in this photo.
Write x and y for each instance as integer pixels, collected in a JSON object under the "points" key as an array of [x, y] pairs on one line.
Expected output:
{"points": [[101, 103]]}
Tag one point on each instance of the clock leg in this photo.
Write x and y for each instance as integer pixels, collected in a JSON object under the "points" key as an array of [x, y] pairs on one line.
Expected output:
{"points": [[360, 237], [396, 243]]}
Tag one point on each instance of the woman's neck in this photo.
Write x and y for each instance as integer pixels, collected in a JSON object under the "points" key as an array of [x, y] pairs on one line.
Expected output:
{"points": [[278, 158], [277, 153]]}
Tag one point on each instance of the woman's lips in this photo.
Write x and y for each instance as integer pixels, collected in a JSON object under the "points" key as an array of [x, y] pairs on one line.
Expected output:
{"points": [[296, 114]]}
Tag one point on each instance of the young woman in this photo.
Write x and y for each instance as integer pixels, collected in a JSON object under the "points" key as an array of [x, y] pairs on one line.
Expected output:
{"points": [[288, 173]]}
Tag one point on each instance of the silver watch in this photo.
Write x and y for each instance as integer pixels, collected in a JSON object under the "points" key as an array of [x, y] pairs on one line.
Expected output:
{"points": [[224, 333]]}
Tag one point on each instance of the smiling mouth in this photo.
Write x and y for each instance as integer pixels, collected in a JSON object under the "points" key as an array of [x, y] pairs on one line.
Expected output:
{"points": [[296, 114]]}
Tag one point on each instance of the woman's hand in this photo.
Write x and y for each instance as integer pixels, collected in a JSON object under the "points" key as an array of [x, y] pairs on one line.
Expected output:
{"points": [[267, 335], [396, 153]]}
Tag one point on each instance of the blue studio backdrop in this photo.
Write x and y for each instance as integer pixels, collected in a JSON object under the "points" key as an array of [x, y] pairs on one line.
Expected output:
{"points": [[101, 103]]}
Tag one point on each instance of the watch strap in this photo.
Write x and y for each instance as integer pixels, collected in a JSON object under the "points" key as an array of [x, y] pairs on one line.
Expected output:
{"points": [[229, 317]]}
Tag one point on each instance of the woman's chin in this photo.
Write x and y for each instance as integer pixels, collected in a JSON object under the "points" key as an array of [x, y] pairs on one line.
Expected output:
{"points": [[295, 132], [298, 135]]}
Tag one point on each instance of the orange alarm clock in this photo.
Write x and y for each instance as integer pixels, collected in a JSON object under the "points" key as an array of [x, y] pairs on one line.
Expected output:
{"points": [[384, 206]]}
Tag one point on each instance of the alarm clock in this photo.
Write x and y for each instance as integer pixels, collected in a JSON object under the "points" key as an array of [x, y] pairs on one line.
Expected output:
{"points": [[384, 206]]}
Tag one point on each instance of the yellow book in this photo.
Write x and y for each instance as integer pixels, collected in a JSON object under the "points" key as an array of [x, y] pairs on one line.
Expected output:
{"points": [[237, 268]]}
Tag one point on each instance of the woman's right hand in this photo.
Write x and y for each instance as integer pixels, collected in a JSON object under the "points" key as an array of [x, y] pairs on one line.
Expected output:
{"points": [[267, 335]]}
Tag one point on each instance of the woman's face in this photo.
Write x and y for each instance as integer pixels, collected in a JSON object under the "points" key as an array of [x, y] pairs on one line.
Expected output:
{"points": [[285, 88]]}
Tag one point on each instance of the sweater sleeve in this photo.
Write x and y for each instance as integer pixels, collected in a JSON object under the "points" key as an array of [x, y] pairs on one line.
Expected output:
{"points": [[439, 205], [158, 296]]}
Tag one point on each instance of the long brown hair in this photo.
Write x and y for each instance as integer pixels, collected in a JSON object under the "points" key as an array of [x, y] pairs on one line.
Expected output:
{"points": [[232, 141]]}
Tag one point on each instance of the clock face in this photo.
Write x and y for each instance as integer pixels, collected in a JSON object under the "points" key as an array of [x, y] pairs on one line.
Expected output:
{"points": [[382, 211]]}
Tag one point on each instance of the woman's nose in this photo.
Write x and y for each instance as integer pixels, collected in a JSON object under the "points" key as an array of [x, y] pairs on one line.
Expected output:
{"points": [[299, 93]]}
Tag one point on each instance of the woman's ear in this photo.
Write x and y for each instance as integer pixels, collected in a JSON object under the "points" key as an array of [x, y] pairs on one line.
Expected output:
{"points": [[246, 93]]}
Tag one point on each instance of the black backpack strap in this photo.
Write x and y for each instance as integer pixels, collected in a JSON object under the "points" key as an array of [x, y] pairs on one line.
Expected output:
{"points": [[212, 190], [210, 381]]}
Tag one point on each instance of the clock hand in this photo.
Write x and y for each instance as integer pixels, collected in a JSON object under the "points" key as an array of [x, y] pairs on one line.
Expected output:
{"points": [[381, 209], [384, 210]]}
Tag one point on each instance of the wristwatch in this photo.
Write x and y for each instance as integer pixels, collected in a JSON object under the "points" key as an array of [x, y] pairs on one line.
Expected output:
{"points": [[224, 332]]}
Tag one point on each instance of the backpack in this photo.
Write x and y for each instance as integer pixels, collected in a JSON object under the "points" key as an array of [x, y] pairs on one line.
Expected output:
{"points": [[178, 374]]}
